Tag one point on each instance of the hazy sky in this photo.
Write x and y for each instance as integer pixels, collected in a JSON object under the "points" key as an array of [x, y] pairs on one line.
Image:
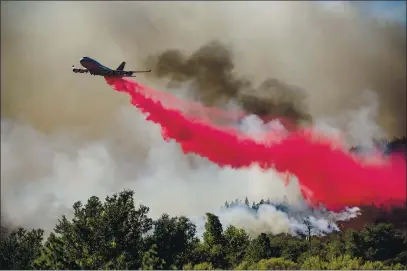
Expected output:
{"points": [[388, 10], [68, 137], [391, 10]]}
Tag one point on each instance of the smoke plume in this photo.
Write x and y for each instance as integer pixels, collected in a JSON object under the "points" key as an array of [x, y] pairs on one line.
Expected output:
{"points": [[66, 137], [333, 176], [210, 69]]}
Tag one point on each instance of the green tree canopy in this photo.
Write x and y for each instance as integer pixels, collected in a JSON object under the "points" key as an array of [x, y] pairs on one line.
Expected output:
{"points": [[20, 248], [175, 239], [100, 235], [258, 249], [236, 243], [114, 234], [375, 242]]}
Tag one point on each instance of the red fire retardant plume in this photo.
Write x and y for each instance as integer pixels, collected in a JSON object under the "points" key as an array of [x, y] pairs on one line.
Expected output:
{"points": [[327, 174]]}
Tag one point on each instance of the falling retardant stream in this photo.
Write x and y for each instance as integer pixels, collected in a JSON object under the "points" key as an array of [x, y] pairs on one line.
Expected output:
{"points": [[327, 173]]}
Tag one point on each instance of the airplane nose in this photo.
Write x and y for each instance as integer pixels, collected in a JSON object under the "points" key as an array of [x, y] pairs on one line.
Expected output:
{"points": [[83, 61]]}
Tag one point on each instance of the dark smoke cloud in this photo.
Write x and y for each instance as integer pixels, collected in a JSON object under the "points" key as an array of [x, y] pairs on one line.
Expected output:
{"points": [[211, 69], [79, 138]]}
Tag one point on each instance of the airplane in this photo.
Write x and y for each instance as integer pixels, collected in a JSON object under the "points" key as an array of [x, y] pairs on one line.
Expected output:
{"points": [[95, 68]]}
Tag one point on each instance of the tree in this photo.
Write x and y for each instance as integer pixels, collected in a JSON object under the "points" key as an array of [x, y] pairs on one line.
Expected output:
{"points": [[308, 224], [380, 266], [314, 262], [245, 265], [200, 253], [114, 234], [226, 204], [214, 241], [100, 235], [334, 245], [286, 246], [20, 248], [175, 240], [346, 262], [236, 243], [213, 230], [54, 256], [151, 261], [400, 258], [203, 266], [258, 249], [274, 264], [375, 243]]}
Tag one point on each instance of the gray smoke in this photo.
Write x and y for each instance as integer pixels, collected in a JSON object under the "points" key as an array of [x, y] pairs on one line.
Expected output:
{"points": [[211, 69], [44, 174], [66, 136]]}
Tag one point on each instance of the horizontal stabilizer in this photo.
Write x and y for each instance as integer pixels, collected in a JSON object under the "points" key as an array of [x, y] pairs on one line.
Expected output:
{"points": [[140, 71]]}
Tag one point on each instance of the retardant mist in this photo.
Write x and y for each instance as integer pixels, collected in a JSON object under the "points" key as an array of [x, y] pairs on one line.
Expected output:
{"points": [[66, 137], [332, 175]]}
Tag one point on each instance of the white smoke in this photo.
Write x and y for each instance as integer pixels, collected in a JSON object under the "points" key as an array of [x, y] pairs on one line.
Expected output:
{"points": [[67, 137], [62, 171], [279, 217], [359, 125]]}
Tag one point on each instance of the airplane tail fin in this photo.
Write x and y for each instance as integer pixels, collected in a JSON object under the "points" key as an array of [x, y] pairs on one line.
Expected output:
{"points": [[121, 66]]}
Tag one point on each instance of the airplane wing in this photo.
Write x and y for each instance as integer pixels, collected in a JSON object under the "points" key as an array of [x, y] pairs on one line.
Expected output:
{"points": [[139, 71]]}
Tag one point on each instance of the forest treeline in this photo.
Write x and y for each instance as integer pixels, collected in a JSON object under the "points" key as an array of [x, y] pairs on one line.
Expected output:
{"points": [[116, 234]]}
